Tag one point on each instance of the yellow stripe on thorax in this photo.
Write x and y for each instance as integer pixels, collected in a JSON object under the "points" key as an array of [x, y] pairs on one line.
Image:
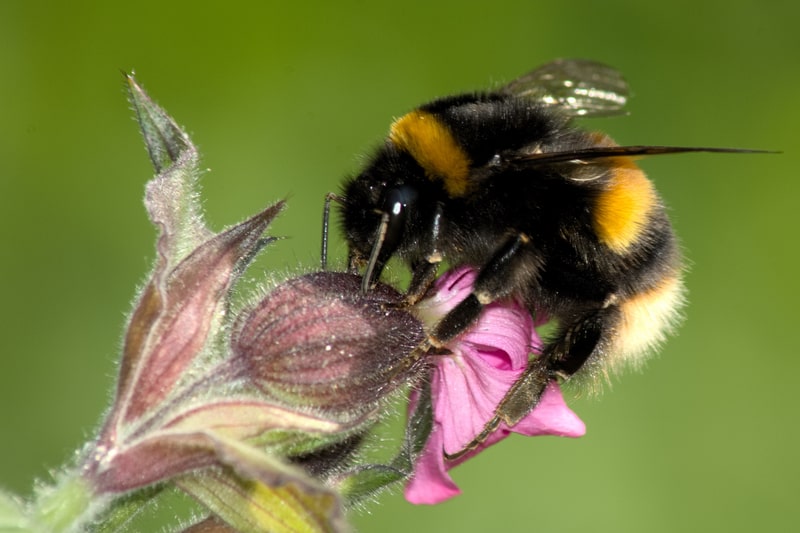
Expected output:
{"points": [[623, 208], [433, 146]]}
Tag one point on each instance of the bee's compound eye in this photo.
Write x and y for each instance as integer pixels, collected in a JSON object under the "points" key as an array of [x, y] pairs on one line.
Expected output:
{"points": [[398, 198]]}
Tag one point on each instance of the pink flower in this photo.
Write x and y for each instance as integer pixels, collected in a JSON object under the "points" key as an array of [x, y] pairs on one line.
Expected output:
{"points": [[469, 383]]}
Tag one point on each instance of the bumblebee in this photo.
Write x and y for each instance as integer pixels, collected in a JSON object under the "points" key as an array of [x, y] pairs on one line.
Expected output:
{"points": [[554, 215]]}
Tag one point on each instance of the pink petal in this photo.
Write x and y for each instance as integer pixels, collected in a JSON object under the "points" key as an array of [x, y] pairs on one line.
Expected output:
{"points": [[468, 385], [431, 483], [504, 327], [448, 290], [465, 392], [550, 417], [455, 285]]}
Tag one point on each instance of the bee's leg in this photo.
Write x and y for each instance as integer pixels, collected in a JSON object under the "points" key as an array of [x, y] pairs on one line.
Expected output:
{"points": [[496, 279], [424, 272], [423, 276], [578, 341], [492, 283], [562, 357], [520, 399]]}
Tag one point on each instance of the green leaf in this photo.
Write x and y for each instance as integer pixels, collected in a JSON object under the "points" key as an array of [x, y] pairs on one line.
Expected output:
{"points": [[166, 142], [282, 430], [256, 492], [172, 197], [211, 524], [124, 511], [249, 505]]}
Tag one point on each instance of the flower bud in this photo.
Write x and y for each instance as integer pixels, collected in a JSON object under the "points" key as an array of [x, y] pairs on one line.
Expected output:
{"points": [[317, 341]]}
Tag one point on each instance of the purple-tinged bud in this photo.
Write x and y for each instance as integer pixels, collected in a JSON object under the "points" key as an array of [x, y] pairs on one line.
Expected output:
{"points": [[316, 341]]}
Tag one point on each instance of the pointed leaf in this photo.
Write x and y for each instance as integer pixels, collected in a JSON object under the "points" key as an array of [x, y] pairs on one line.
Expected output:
{"points": [[177, 317], [123, 514], [152, 460], [249, 505], [212, 524], [164, 139], [255, 492], [172, 197], [247, 419], [166, 452]]}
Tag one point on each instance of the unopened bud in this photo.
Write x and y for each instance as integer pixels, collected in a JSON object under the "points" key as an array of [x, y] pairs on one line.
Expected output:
{"points": [[317, 341]]}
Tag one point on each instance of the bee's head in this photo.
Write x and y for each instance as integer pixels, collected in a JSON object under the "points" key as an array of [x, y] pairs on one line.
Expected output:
{"points": [[379, 210]]}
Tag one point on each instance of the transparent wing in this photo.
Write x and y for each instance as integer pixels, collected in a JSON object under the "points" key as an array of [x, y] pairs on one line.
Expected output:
{"points": [[580, 87]]}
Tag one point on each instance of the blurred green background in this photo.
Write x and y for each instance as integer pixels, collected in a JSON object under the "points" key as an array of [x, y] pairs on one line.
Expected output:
{"points": [[284, 99]]}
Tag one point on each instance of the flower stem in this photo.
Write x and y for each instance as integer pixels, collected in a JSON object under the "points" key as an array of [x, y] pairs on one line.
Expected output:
{"points": [[68, 505]]}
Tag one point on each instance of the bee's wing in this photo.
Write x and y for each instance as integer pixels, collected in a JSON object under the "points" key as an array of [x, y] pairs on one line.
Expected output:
{"points": [[578, 86]]}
